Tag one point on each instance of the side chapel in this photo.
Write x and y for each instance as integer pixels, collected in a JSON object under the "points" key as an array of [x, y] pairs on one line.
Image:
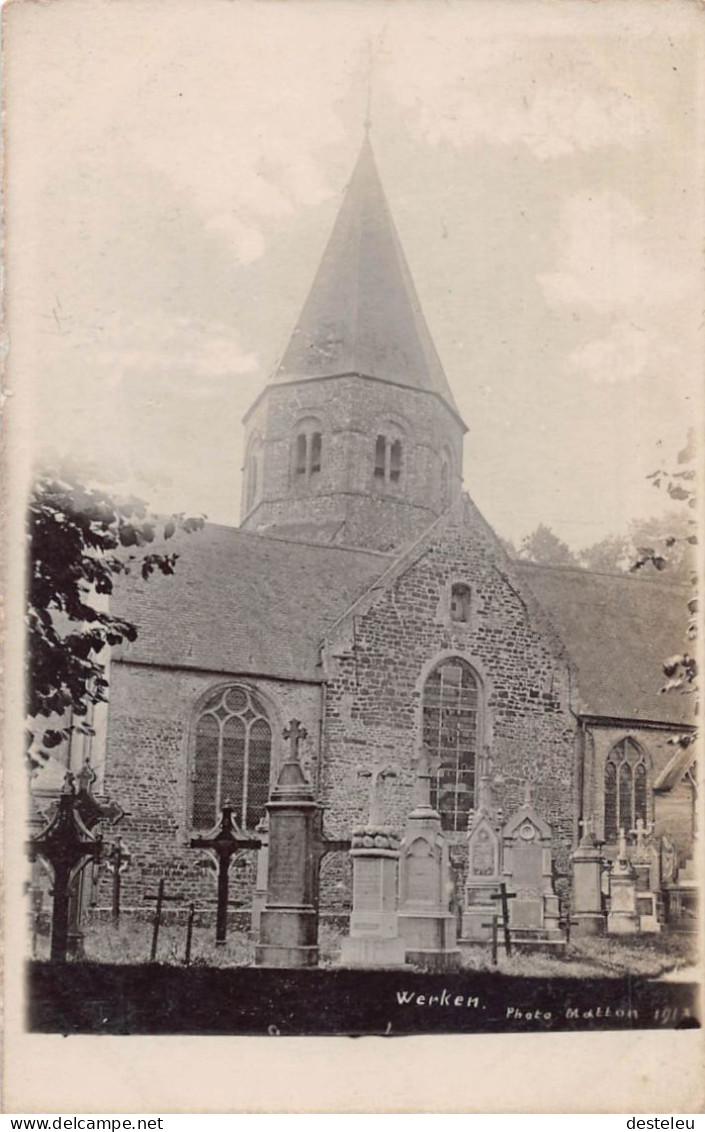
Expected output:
{"points": [[365, 595]]}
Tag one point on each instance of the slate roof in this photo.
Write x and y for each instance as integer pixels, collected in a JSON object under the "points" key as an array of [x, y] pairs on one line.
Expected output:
{"points": [[618, 631], [362, 314], [243, 603]]}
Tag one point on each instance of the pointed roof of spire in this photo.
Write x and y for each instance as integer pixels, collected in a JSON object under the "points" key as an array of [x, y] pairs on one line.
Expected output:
{"points": [[362, 314]]}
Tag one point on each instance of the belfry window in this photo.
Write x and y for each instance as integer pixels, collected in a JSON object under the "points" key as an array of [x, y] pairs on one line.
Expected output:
{"points": [[388, 459], [308, 450], [380, 457], [445, 485], [626, 788], [232, 755], [451, 720], [251, 480]]}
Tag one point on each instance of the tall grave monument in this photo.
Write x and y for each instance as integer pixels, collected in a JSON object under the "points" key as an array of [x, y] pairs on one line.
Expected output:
{"points": [[374, 939], [425, 922]]}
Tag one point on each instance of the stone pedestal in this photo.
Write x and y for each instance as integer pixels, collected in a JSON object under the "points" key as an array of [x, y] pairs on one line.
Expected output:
{"points": [[374, 929], [622, 918], [528, 871], [425, 921], [588, 917]]}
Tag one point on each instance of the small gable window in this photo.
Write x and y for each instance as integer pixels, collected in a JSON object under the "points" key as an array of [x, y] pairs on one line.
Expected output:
{"points": [[626, 788], [460, 596], [232, 756], [308, 452], [388, 459]]}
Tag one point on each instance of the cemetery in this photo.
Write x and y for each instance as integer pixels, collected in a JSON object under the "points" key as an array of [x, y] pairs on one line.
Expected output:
{"points": [[404, 922]]}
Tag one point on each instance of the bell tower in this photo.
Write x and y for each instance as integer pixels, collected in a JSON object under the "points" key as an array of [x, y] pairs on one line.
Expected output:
{"points": [[356, 438]]}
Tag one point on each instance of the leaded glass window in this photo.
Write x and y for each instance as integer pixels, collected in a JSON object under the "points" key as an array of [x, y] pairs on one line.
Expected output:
{"points": [[626, 788], [450, 731], [232, 756]]}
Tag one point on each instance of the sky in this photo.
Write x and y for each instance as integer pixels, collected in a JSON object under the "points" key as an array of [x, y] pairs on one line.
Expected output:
{"points": [[175, 170]]}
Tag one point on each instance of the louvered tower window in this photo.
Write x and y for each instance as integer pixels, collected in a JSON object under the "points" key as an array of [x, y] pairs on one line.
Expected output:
{"points": [[450, 730], [388, 459], [308, 451], [232, 756], [626, 788]]}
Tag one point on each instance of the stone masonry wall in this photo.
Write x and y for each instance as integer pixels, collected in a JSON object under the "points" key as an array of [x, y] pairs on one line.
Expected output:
{"points": [[350, 412], [148, 771], [380, 656], [670, 815]]}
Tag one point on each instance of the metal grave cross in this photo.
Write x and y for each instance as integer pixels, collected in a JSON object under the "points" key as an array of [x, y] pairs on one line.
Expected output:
{"points": [[504, 897], [225, 840], [66, 844]]}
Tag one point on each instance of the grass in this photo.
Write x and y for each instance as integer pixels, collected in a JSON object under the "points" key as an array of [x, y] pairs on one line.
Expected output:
{"points": [[589, 957], [646, 956]]}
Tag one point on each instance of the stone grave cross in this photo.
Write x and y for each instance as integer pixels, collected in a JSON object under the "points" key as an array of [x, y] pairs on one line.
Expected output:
{"points": [[426, 766], [294, 734], [376, 775]]}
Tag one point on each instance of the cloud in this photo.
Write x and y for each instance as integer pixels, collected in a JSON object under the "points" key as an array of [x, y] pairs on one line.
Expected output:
{"points": [[555, 98], [196, 352], [609, 257], [621, 355]]}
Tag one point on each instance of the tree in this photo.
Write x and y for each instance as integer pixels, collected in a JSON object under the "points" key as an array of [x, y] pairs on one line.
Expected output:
{"points": [[681, 670], [545, 547], [79, 540], [609, 556]]}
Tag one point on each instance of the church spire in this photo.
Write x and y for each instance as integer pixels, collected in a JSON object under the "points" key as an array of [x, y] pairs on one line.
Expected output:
{"points": [[362, 315]]}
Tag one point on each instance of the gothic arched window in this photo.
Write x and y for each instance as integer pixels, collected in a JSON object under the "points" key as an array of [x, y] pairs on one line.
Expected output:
{"points": [[451, 720], [232, 756], [626, 788]]}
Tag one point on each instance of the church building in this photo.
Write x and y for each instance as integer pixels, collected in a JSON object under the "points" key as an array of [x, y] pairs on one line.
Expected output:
{"points": [[365, 595]]}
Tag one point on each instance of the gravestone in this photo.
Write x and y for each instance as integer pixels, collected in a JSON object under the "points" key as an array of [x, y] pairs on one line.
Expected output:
{"points": [[622, 918], [259, 897], [484, 861], [374, 939], [425, 886], [528, 870], [288, 934], [288, 923], [645, 861], [588, 916]]}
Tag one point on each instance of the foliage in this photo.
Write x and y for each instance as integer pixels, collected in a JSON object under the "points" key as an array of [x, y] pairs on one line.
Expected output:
{"points": [[680, 670], [545, 547], [79, 540]]}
